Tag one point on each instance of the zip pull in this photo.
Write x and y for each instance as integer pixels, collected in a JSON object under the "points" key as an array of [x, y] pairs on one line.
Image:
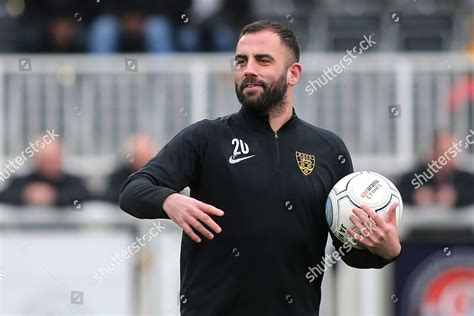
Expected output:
{"points": [[276, 136]]}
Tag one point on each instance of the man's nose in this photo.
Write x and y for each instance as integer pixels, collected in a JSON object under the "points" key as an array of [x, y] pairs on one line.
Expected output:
{"points": [[250, 69]]}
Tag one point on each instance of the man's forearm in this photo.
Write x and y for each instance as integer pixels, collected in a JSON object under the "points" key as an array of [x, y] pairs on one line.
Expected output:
{"points": [[364, 259], [143, 199], [360, 258]]}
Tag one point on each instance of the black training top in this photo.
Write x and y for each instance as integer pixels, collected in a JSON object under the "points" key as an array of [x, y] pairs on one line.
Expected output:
{"points": [[273, 189]]}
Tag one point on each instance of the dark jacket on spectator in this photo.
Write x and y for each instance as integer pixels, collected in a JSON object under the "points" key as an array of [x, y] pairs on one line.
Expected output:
{"points": [[68, 188]]}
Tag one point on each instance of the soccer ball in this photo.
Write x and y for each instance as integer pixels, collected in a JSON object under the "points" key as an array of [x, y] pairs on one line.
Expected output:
{"points": [[354, 190]]}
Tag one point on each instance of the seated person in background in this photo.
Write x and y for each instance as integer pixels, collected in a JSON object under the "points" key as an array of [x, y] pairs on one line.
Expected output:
{"points": [[140, 150], [438, 182], [55, 25], [137, 26], [48, 184]]}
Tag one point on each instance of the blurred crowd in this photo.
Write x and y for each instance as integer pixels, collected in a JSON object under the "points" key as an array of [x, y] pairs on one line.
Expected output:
{"points": [[106, 26], [48, 184]]}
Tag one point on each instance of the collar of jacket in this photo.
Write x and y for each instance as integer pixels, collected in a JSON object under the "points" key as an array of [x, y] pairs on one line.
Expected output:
{"points": [[261, 122]]}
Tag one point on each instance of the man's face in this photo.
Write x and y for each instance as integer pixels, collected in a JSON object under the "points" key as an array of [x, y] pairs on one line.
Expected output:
{"points": [[49, 160], [261, 71], [443, 143]]}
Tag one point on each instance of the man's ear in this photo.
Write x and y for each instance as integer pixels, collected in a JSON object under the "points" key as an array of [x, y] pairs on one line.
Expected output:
{"points": [[294, 73]]}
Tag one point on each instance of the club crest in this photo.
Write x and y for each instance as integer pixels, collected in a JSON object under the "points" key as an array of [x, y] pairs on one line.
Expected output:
{"points": [[306, 162]]}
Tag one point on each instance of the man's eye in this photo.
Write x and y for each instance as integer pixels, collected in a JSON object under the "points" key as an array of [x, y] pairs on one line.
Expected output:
{"points": [[239, 64]]}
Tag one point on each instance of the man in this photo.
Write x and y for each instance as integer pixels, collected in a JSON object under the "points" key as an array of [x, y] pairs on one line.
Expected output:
{"points": [[259, 180], [48, 184], [140, 150], [443, 186]]}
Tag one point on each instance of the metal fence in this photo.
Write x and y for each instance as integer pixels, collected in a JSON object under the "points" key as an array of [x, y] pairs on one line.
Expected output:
{"points": [[384, 106]]}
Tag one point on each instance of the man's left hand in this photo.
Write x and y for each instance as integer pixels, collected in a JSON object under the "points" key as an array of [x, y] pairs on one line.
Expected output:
{"points": [[379, 236]]}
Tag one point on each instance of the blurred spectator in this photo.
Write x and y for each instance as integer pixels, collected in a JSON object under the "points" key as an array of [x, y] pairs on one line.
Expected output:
{"points": [[140, 150], [48, 184], [55, 25], [443, 185], [137, 26], [462, 93], [215, 25]]}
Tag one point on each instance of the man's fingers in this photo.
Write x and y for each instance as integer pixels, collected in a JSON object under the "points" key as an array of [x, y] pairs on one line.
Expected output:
{"points": [[189, 231], [206, 219], [209, 209], [200, 228], [191, 215], [355, 220], [363, 218], [358, 237], [362, 228], [392, 214], [374, 216]]}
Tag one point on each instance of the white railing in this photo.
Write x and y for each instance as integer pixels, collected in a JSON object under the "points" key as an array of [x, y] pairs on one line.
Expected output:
{"points": [[95, 103]]}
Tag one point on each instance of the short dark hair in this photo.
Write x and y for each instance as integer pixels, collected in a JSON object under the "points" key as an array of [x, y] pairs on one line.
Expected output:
{"points": [[286, 35]]}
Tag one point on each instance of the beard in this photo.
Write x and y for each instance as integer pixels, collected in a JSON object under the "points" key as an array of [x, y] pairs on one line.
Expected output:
{"points": [[270, 99]]}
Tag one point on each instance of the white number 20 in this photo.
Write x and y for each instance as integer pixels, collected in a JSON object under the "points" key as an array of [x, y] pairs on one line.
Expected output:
{"points": [[240, 144]]}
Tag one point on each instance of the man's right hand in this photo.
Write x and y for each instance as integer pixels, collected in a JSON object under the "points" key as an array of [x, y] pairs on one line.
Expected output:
{"points": [[39, 194], [190, 214]]}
